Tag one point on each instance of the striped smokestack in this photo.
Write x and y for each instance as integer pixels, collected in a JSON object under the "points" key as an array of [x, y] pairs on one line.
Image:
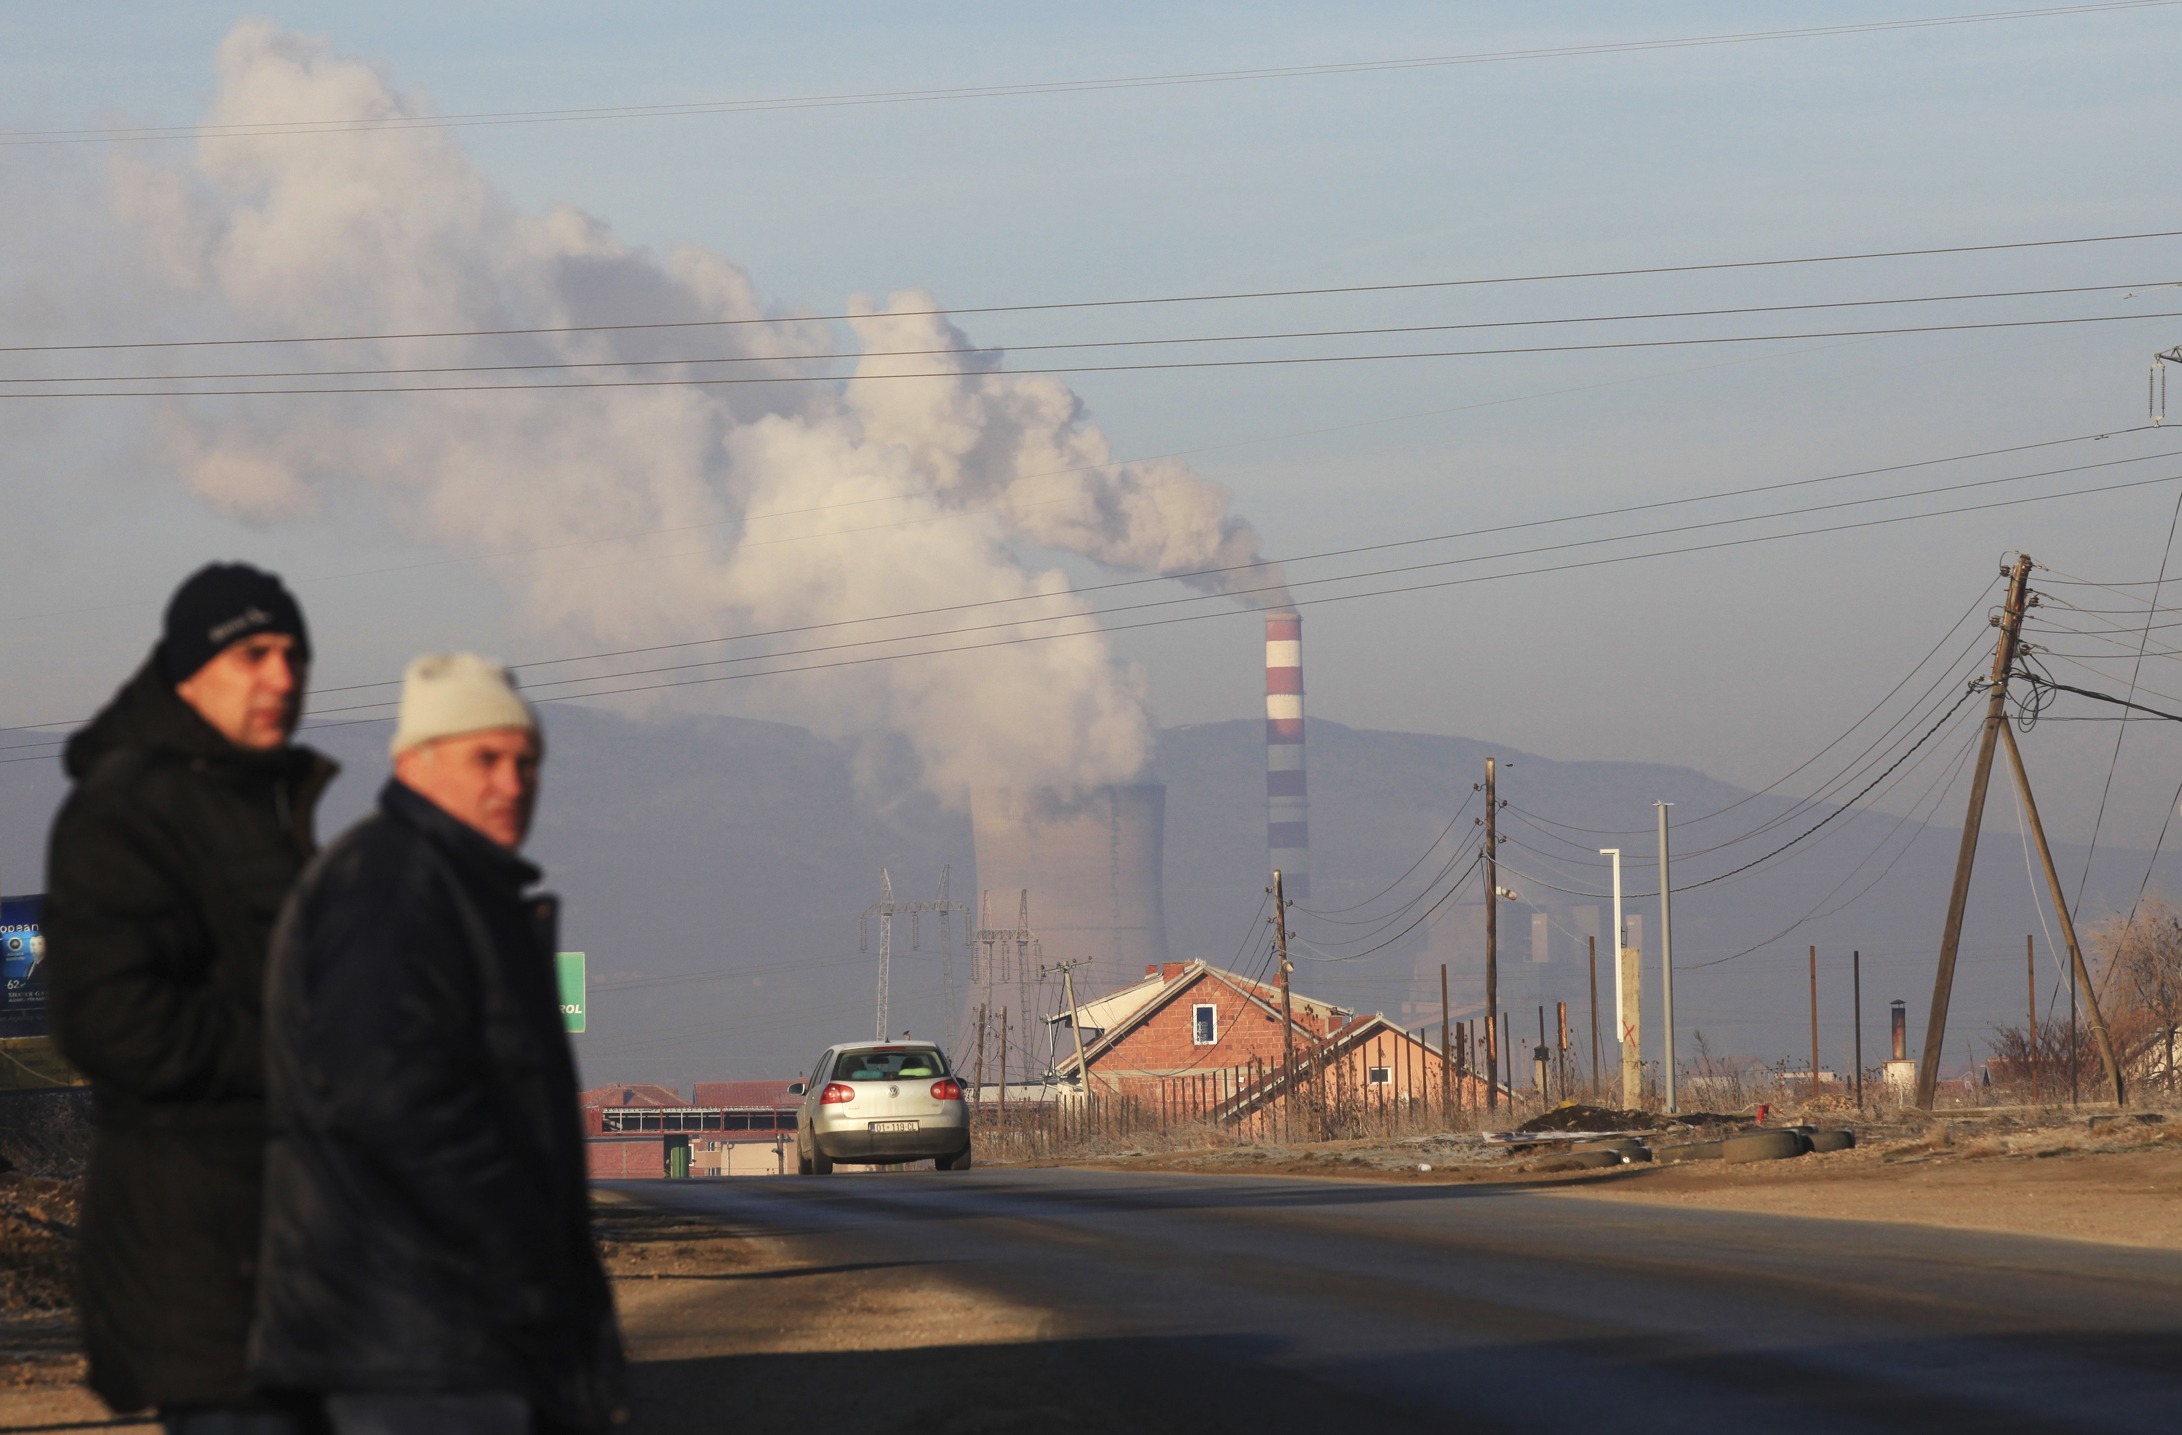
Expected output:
{"points": [[1287, 803]]}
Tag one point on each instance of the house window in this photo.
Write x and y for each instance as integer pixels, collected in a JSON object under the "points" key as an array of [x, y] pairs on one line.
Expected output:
{"points": [[1204, 1024], [1379, 1075]]}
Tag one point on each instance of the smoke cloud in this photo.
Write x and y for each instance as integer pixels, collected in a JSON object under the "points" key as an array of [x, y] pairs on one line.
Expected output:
{"points": [[784, 504]]}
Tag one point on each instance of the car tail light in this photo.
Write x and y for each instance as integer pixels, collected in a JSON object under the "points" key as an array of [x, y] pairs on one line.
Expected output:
{"points": [[836, 1092], [949, 1090]]}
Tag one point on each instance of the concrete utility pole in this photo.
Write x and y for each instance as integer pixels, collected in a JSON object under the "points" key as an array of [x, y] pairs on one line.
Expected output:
{"points": [[1666, 961], [2099, 1033], [2010, 623], [1492, 918], [1626, 999]]}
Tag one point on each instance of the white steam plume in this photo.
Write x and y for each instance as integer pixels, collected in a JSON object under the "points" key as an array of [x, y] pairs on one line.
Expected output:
{"points": [[922, 488]]}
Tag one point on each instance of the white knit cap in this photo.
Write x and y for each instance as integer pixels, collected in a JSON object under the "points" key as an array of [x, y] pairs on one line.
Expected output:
{"points": [[447, 694]]}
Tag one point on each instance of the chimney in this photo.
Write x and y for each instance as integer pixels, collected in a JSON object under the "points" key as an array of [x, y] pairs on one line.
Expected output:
{"points": [[1287, 803], [1901, 1030]]}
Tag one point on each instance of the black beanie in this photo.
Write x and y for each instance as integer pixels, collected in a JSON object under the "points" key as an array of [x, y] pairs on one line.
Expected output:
{"points": [[223, 603]]}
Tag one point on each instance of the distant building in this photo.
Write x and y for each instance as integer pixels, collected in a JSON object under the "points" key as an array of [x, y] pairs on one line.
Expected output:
{"points": [[727, 1128]]}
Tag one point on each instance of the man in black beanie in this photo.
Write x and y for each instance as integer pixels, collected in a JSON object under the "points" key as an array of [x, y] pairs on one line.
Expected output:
{"points": [[189, 821]]}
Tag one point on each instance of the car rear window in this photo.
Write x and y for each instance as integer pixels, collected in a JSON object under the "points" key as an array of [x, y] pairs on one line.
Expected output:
{"points": [[888, 1064]]}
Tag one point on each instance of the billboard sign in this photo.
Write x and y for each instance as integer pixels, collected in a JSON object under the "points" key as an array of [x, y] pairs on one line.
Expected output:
{"points": [[22, 963], [573, 994]]}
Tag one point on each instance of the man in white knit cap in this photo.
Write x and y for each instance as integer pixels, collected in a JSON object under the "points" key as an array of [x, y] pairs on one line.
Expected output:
{"points": [[428, 1266]]}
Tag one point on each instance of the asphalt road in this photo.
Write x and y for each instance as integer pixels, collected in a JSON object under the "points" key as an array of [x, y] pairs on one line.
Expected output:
{"points": [[1214, 1303]]}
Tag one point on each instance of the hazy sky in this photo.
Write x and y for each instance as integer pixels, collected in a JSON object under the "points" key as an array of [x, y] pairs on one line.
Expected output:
{"points": [[1741, 662]]}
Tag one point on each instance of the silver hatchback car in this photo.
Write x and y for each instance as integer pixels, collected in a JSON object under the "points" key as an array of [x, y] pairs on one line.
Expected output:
{"points": [[881, 1103]]}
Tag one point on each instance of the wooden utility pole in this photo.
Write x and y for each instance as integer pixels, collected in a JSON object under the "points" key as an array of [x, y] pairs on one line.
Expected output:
{"points": [[1594, 946], [1560, 1017], [981, 1052], [1447, 1070], [2099, 1032], [1068, 991], [2030, 973], [1280, 949], [1003, 1121], [2010, 623], [1492, 924], [1856, 1000], [1814, 1023]]}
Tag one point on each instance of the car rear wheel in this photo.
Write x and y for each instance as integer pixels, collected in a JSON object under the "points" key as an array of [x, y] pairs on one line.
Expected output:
{"points": [[960, 1161], [803, 1163], [821, 1163]]}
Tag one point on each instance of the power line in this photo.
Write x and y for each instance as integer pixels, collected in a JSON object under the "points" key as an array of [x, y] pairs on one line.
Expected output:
{"points": [[1403, 589], [1291, 587], [1223, 297], [1263, 336], [1359, 549], [859, 99], [1331, 913], [1324, 554], [1154, 366], [2122, 730]]}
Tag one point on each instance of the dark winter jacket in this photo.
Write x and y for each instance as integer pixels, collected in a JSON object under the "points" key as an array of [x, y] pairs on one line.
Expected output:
{"points": [[168, 866], [427, 1223]]}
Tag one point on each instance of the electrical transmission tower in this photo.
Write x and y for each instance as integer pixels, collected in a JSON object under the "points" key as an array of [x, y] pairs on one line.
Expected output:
{"points": [[885, 909], [1001, 954], [944, 908]]}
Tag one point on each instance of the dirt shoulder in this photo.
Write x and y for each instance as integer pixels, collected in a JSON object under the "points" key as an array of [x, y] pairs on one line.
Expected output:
{"points": [[2117, 1187], [2031, 1174]]}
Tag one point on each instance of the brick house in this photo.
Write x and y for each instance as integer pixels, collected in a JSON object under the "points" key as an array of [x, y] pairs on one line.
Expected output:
{"points": [[1208, 1038]]}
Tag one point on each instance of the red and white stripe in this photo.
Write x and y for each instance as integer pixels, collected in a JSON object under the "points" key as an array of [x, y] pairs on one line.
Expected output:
{"points": [[1287, 801]]}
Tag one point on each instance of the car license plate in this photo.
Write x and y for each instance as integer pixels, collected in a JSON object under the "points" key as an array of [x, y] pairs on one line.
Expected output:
{"points": [[893, 1125]]}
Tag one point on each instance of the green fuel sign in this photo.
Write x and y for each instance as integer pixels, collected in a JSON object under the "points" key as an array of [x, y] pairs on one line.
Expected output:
{"points": [[570, 965]]}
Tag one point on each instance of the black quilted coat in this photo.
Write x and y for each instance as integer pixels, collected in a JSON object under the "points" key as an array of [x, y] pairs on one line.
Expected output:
{"points": [[168, 865], [427, 1222]]}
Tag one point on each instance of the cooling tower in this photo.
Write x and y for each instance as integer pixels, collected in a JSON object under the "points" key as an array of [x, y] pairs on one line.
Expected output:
{"points": [[1287, 802], [1093, 868]]}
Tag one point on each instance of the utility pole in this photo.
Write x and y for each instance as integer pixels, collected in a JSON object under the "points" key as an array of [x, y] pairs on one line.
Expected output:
{"points": [[1814, 1023], [2010, 623], [2075, 1086], [1447, 1070], [1666, 961], [1594, 946], [1068, 991], [1628, 998], [1280, 949], [981, 1053], [1856, 1000], [1560, 1016], [2099, 1032], [1492, 918], [1003, 1068], [2030, 971]]}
